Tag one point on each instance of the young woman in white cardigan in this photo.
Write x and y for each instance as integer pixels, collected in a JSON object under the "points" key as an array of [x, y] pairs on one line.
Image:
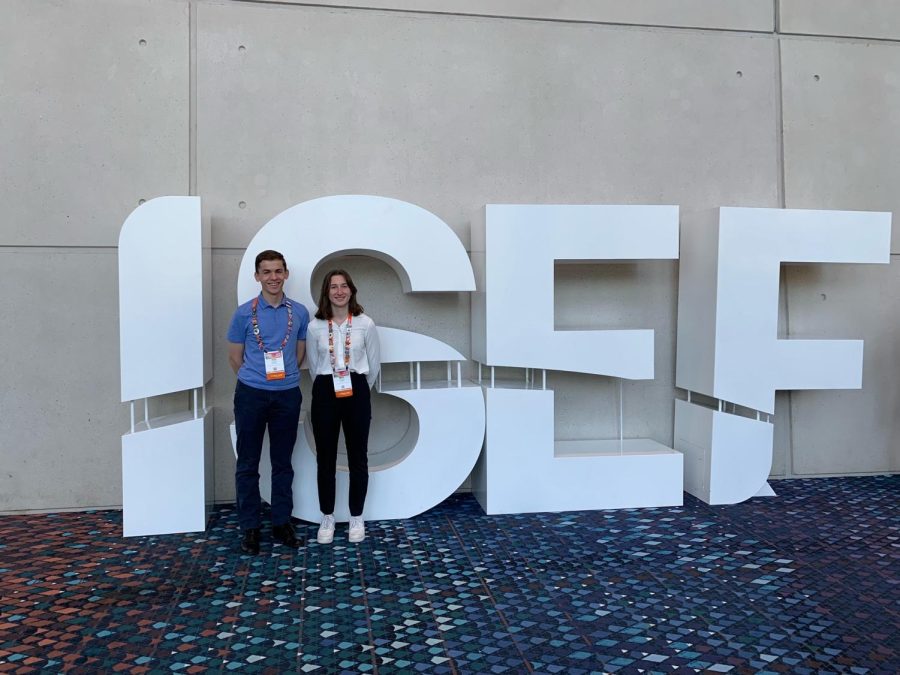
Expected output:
{"points": [[344, 360]]}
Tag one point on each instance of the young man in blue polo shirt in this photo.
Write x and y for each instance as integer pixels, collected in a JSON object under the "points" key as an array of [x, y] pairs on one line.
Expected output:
{"points": [[267, 341]]}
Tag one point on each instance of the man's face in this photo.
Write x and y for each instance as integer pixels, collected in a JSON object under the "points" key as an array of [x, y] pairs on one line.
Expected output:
{"points": [[271, 275]]}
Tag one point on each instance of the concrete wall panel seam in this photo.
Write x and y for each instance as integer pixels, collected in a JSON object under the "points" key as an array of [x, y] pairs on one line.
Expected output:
{"points": [[842, 38], [761, 22]]}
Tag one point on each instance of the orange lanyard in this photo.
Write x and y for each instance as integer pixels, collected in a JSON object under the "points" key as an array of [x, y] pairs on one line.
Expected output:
{"points": [[255, 323], [346, 343]]}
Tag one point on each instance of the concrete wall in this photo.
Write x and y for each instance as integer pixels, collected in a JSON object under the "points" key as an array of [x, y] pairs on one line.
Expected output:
{"points": [[257, 106]]}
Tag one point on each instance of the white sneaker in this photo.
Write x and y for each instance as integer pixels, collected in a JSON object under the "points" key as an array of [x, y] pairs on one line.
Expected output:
{"points": [[357, 530], [326, 530]]}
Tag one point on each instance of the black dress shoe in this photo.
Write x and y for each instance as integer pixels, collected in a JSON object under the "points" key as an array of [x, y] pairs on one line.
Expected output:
{"points": [[285, 534], [250, 541]]}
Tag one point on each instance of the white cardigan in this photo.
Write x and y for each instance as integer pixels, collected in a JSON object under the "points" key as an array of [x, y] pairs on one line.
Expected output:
{"points": [[365, 352]]}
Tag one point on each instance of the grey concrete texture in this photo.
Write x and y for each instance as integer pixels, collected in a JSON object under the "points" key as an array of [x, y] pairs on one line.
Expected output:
{"points": [[746, 15], [452, 113], [841, 117], [848, 18], [61, 416], [93, 120], [220, 394], [781, 441]]}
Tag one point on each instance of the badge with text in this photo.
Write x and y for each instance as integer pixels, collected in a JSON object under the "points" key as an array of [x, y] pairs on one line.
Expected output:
{"points": [[275, 365], [343, 387]]}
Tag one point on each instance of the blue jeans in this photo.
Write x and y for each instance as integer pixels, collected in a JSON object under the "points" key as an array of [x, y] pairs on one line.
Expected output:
{"points": [[254, 410]]}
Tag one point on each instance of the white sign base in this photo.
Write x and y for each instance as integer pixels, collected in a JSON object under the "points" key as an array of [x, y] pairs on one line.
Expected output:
{"points": [[167, 479], [523, 470]]}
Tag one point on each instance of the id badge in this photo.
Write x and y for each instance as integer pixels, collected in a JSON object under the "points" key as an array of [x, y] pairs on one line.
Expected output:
{"points": [[274, 365], [343, 387]]}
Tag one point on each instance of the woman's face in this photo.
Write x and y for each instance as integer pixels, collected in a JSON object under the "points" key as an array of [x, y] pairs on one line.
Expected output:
{"points": [[339, 292]]}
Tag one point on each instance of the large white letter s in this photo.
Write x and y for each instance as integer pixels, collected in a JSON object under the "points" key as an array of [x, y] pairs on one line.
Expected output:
{"points": [[427, 256]]}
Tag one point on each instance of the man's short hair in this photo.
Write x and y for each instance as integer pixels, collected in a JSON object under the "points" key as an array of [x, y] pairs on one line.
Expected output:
{"points": [[269, 254]]}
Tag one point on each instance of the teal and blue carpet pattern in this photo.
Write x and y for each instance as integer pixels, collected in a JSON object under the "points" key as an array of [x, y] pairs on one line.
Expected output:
{"points": [[805, 582]]}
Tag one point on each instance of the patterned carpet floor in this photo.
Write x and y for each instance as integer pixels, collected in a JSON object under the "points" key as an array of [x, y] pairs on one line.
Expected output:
{"points": [[806, 582]]}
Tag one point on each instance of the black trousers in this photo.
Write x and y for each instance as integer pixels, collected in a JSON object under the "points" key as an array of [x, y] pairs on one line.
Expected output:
{"points": [[328, 414]]}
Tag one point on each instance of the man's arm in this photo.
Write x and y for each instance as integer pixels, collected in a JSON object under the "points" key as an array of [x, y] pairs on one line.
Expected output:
{"points": [[235, 356], [301, 352]]}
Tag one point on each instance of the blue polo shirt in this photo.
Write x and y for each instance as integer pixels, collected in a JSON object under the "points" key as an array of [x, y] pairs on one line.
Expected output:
{"points": [[273, 324]]}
